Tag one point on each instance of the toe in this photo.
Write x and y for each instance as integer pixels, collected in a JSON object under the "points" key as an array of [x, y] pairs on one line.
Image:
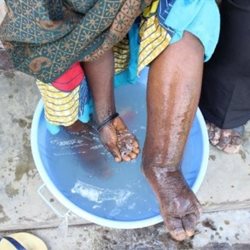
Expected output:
{"points": [[189, 223], [232, 149], [175, 227], [236, 140], [210, 130], [136, 151], [127, 150], [214, 140], [117, 159], [230, 141], [135, 144], [126, 158], [136, 148], [132, 155], [225, 140], [178, 235], [235, 145], [125, 155], [114, 150]]}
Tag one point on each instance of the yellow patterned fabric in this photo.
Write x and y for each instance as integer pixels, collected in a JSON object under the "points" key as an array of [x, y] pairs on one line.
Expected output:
{"points": [[61, 108], [151, 9], [121, 55], [153, 37], [153, 40]]}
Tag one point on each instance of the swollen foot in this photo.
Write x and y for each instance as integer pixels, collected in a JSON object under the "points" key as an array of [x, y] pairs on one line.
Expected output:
{"points": [[119, 141], [179, 206]]}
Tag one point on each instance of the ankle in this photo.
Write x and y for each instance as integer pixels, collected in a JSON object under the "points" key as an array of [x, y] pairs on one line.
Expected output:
{"points": [[102, 114], [107, 120]]}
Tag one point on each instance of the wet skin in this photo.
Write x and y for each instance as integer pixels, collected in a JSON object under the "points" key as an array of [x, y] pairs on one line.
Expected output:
{"points": [[172, 98], [115, 135]]}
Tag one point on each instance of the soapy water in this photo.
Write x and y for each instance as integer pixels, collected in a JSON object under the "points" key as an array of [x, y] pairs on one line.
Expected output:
{"points": [[78, 143], [86, 174], [99, 195]]}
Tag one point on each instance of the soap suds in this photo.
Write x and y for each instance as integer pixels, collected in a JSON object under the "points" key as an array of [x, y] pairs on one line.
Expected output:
{"points": [[100, 195]]}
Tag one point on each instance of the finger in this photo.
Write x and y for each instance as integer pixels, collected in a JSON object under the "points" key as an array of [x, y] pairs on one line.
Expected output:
{"points": [[175, 228], [189, 222]]}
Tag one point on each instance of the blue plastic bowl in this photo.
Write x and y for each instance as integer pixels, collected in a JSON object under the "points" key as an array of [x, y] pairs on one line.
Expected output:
{"points": [[83, 176]]}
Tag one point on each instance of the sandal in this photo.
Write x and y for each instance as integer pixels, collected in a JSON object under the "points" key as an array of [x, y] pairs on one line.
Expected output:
{"points": [[22, 241]]}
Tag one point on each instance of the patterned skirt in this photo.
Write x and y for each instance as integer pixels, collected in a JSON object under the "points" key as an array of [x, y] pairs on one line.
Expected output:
{"points": [[48, 40], [67, 99], [44, 37]]}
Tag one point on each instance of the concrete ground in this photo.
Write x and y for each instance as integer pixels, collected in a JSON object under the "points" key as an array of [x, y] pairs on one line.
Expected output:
{"points": [[225, 192]]}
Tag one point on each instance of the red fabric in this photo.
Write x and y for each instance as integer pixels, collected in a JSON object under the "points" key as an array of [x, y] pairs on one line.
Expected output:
{"points": [[70, 79]]}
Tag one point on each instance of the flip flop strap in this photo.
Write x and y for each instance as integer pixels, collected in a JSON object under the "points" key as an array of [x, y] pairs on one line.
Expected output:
{"points": [[15, 243], [107, 120]]}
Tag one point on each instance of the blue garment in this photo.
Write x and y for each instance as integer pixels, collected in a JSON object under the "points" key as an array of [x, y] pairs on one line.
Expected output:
{"points": [[163, 11], [199, 17], [130, 74]]}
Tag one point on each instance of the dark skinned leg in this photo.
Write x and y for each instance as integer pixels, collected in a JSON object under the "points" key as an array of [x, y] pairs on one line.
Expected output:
{"points": [[173, 93], [115, 136]]}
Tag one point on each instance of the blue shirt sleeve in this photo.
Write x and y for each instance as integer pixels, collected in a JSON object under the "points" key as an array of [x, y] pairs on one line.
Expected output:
{"points": [[199, 17]]}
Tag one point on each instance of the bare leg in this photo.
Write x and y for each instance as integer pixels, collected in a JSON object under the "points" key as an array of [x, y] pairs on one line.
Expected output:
{"points": [[172, 99], [115, 136]]}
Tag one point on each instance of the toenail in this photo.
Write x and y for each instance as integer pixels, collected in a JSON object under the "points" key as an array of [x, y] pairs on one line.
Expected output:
{"points": [[123, 154]]}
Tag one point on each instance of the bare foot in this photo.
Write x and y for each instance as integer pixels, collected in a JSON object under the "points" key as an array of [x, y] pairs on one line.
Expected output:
{"points": [[77, 127], [227, 140], [179, 206], [115, 136], [119, 141]]}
